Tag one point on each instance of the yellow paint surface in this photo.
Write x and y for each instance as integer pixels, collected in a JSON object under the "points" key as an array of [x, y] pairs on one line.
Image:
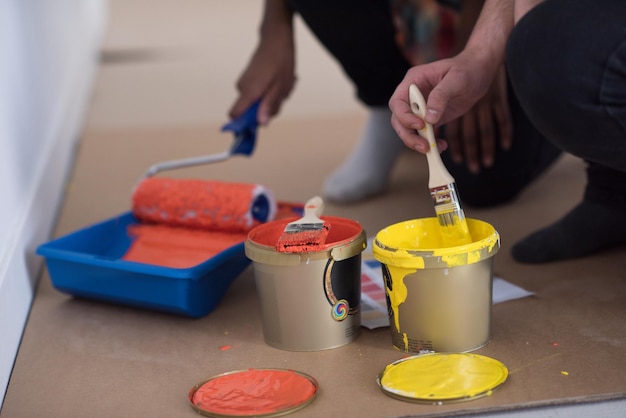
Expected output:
{"points": [[407, 244], [441, 377]]}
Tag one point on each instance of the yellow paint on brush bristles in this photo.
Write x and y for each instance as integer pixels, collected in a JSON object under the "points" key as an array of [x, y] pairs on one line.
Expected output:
{"points": [[454, 233], [453, 225]]}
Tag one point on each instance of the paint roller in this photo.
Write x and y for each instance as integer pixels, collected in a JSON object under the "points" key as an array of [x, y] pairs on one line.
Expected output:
{"points": [[206, 204]]}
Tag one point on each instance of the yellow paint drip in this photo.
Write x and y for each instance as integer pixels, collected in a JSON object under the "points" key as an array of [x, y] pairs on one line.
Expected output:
{"points": [[398, 295], [443, 377]]}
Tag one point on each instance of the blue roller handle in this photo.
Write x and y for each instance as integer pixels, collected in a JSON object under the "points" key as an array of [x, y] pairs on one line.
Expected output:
{"points": [[244, 127]]}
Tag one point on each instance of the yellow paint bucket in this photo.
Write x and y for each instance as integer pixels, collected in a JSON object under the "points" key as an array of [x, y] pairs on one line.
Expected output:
{"points": [[439, 298]]}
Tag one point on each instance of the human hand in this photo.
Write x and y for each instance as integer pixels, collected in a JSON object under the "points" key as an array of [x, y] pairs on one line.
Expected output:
{"points": [[452, 86], [475, 137], [269, 76]]}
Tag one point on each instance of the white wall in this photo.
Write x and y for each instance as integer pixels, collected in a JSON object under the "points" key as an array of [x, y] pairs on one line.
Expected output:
{"points": [[48, 57]]}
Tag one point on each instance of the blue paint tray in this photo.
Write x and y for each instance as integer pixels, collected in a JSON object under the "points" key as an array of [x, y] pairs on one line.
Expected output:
{"points": [[87, 263]]}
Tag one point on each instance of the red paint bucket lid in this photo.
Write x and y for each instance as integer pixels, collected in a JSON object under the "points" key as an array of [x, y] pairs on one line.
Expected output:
{"points": [[253, 392]]}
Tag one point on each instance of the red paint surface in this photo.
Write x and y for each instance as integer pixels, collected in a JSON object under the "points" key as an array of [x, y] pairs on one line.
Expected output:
{"points": [[254, 392], [341, 231], [179, 247]]}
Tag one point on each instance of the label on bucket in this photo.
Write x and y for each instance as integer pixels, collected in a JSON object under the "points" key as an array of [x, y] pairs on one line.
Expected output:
{"points": [[410, 345], [342, 286]]}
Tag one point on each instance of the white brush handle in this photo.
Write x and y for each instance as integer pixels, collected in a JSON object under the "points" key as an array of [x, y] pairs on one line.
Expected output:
{"points": [[438, 174], [312, 210]]}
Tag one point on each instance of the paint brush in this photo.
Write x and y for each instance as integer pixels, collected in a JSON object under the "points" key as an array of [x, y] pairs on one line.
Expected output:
{"points": [[454, 229], [308, 233]]}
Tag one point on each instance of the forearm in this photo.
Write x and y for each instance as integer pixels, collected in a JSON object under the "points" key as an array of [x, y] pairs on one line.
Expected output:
{"points": [[487, 41], [270, 74], [523, 6], [470, 10], [277, 16]]}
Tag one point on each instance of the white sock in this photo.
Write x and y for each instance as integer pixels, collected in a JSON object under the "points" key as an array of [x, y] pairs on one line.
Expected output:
{"points": [[366, 171]]}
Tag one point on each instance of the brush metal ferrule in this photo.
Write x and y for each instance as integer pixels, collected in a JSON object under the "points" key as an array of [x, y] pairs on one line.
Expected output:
{"points": [[447, 204], [301, 227]]}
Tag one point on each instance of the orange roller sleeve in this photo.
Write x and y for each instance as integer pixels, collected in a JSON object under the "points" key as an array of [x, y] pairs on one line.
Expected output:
{"points": [[205, 204]]}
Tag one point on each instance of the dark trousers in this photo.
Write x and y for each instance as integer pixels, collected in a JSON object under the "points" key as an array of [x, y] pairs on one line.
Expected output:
{"points": [[567, 65], [361, 36]]}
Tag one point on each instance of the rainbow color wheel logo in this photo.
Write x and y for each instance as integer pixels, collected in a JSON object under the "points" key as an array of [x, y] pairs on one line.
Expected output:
{"points": [[340, 310]]}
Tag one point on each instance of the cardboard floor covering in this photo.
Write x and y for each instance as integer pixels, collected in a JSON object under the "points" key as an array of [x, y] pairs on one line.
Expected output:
{"points": [[81, 358]]}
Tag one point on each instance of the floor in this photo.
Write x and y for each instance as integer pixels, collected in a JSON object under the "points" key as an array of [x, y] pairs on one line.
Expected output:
{"points": [[165, 84]]}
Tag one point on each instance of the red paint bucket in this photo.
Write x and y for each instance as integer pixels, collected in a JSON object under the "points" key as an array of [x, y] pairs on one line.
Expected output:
{"points": [[309, 300]]}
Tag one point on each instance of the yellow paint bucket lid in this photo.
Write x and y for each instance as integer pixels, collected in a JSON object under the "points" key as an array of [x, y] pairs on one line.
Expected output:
{"points": [[441, 378]]}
